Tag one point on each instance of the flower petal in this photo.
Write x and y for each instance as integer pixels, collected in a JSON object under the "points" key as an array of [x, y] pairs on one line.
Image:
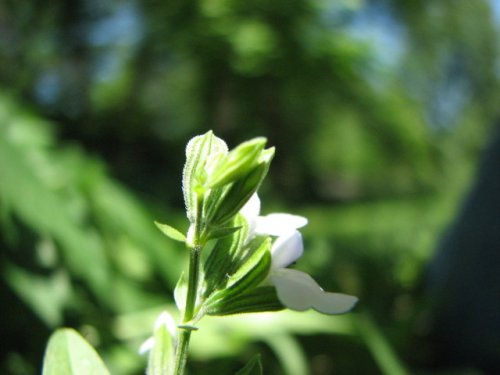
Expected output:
{"points": [[279, 224], [286, 250], [298, 291], [250, 212]]}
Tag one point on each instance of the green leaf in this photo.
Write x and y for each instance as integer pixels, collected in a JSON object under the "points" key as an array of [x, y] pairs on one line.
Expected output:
{"points": [[202, 152], [171, 232], [237, 162], [43, 209], [253, 367], [68, 353]]}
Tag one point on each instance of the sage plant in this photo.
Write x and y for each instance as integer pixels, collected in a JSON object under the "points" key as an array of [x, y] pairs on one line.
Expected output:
{"points": [[246, 268]]}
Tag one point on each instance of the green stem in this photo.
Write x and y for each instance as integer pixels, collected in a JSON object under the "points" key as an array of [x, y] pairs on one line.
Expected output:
{"points": [[192, 292], [185, 329], [182, 351]]}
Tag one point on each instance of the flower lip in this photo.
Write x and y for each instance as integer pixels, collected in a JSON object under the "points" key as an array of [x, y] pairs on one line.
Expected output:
{"points": [[298, 291]]}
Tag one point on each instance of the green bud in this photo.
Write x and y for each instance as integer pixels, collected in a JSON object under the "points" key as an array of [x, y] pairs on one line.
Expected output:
{"points": [[202, 152], [237, 162], [241, 190], [267, 155]]}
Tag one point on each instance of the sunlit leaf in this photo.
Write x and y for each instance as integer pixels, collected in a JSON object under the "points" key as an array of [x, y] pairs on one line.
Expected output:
{"points": [[69, 354], [171, 232]]}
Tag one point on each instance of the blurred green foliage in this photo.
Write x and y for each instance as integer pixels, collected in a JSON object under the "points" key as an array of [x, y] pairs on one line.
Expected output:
{"points": [[378, 110]]}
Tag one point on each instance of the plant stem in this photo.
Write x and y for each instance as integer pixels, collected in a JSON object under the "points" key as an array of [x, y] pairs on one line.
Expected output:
{"points": [[185, 331], [182, 351], [192, 291]]}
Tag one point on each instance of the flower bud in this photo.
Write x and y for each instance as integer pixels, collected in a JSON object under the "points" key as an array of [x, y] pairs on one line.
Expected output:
{"points": [[237, 162]]}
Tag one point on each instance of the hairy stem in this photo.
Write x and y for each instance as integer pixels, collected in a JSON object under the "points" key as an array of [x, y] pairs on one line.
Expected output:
{"points": [[192, 292]]}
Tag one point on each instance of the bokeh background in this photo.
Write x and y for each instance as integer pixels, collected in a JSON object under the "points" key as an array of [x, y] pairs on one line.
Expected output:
{"points": [[385, 117]]}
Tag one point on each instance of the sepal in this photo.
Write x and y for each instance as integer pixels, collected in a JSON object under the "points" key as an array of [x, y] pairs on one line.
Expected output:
{"points": [[260, 299], [211, 202], [222, 232], [222, 259], [252, 270], [255, 267]]}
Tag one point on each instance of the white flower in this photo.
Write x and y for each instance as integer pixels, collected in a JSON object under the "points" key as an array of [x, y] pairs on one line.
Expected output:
{"points": [[295, 289], [164, 319]]}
